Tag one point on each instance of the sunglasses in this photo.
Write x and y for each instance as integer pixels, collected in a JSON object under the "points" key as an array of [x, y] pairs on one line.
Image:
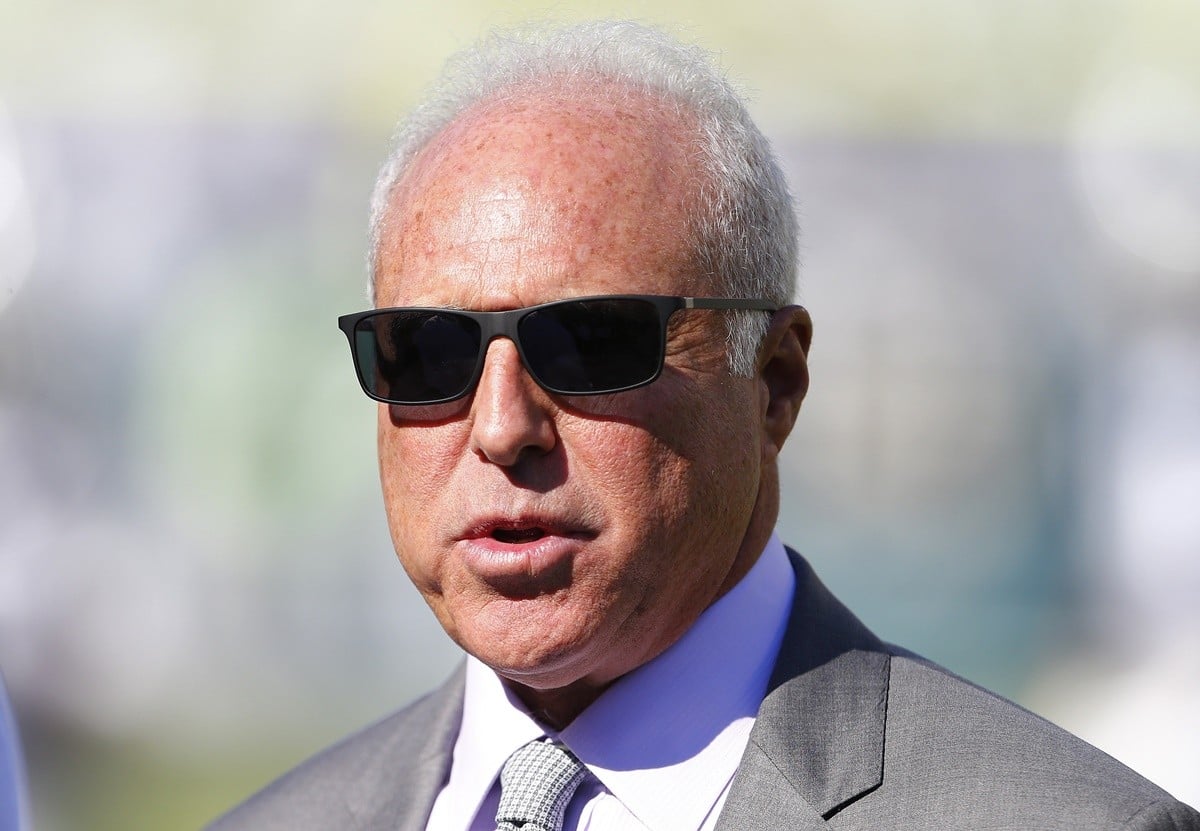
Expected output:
{"points": [[581, 346]]}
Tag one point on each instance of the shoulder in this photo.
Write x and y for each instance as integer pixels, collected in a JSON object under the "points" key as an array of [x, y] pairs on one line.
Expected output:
{"points": [[951, 743], [372, 772], [863, 734]]}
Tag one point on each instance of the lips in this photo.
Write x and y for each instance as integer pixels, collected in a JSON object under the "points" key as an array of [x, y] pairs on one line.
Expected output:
{"points": [[522, 553], [523, 529]]}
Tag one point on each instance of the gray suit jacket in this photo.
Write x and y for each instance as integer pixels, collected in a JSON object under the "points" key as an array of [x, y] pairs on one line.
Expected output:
{"points": [[853, 734]]}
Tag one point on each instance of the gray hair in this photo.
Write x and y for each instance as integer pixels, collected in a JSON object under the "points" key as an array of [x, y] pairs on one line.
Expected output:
{"points": [[744, 223]]}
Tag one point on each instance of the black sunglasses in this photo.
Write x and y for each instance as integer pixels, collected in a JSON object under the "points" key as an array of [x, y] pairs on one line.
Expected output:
{"points": [[581, 346]]}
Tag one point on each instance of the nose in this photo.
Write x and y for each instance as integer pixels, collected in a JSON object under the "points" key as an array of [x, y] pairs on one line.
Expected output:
{"points": [[511, 416]]}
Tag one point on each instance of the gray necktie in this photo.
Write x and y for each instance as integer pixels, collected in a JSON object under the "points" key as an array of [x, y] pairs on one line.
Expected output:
{"points": [[536, 784]]}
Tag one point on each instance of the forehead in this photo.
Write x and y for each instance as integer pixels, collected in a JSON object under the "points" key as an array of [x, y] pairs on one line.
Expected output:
{"points": [[578, 188]]}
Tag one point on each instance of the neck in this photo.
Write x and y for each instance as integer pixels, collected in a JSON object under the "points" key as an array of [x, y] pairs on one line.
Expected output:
{"points": [[558, 707]]}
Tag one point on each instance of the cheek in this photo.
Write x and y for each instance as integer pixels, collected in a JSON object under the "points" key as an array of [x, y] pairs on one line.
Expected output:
{"points": [[661, 508], [628, 469], [669, 454], [415, 464], [703, 463], [645, 491]]}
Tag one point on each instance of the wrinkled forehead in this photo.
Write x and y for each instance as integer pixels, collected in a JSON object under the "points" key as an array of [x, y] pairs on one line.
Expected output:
{"points": [[598, 159], [568, 130]]}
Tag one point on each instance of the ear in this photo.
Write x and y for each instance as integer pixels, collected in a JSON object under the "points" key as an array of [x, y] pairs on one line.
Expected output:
{"points": [[783, 371]]}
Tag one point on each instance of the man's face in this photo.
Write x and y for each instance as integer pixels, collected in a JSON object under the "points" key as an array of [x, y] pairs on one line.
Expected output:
{"points": [[565, 541]]}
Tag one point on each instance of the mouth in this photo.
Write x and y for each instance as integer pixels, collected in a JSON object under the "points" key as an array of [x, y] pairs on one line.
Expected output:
{"points": [[521, 530], [516, 536], [522, 555]]}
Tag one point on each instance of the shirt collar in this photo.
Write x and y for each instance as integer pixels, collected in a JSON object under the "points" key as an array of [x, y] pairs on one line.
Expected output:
{"points": [[494, 724], [665, 739]]}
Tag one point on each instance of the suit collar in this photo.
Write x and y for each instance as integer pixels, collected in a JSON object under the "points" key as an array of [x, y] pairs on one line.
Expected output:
{"points": [[821, 725]]}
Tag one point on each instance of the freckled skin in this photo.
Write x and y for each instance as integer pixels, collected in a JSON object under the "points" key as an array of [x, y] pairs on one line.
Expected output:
{"points": [[524, 202]]}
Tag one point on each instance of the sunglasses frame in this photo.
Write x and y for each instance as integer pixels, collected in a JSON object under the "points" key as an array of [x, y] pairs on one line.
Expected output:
{"points": [[506, 324]]}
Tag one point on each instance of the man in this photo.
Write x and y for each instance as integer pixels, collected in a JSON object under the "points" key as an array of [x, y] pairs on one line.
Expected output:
{"points": [[579, 466]]}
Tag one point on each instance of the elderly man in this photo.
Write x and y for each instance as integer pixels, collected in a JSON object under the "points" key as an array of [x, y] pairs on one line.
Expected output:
{"points": [[587, 364]]}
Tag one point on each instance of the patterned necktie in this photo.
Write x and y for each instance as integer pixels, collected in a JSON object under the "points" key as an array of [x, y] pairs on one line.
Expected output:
{"points": [[536, 784]]}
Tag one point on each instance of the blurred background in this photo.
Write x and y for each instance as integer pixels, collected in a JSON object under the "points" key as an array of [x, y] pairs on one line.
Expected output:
{"points": [[998, 464]]}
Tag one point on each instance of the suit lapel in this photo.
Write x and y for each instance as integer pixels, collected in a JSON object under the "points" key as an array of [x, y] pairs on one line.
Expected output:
{"points": [[817, 743], [399, 784]]}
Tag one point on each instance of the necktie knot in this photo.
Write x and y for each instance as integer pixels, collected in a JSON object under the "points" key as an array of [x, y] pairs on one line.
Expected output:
{"points": [[536, 783]]}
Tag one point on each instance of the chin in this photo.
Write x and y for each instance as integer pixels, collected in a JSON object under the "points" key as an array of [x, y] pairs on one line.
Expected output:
{"points": [[542, 668]]}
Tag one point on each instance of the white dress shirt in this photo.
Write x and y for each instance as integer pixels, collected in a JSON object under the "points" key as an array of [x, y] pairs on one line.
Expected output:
{"points": [[661, 744]]}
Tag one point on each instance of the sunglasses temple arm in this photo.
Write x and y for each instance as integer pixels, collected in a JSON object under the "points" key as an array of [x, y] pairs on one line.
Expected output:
{"points": [[723, 303]]}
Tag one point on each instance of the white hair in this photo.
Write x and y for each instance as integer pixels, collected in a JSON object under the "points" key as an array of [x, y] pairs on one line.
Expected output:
{"points": [[744, 223]]}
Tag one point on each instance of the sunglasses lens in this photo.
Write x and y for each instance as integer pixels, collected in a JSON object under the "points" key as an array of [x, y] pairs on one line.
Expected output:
{"points": [[426, 356], [592, 346], [417, 357]]}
